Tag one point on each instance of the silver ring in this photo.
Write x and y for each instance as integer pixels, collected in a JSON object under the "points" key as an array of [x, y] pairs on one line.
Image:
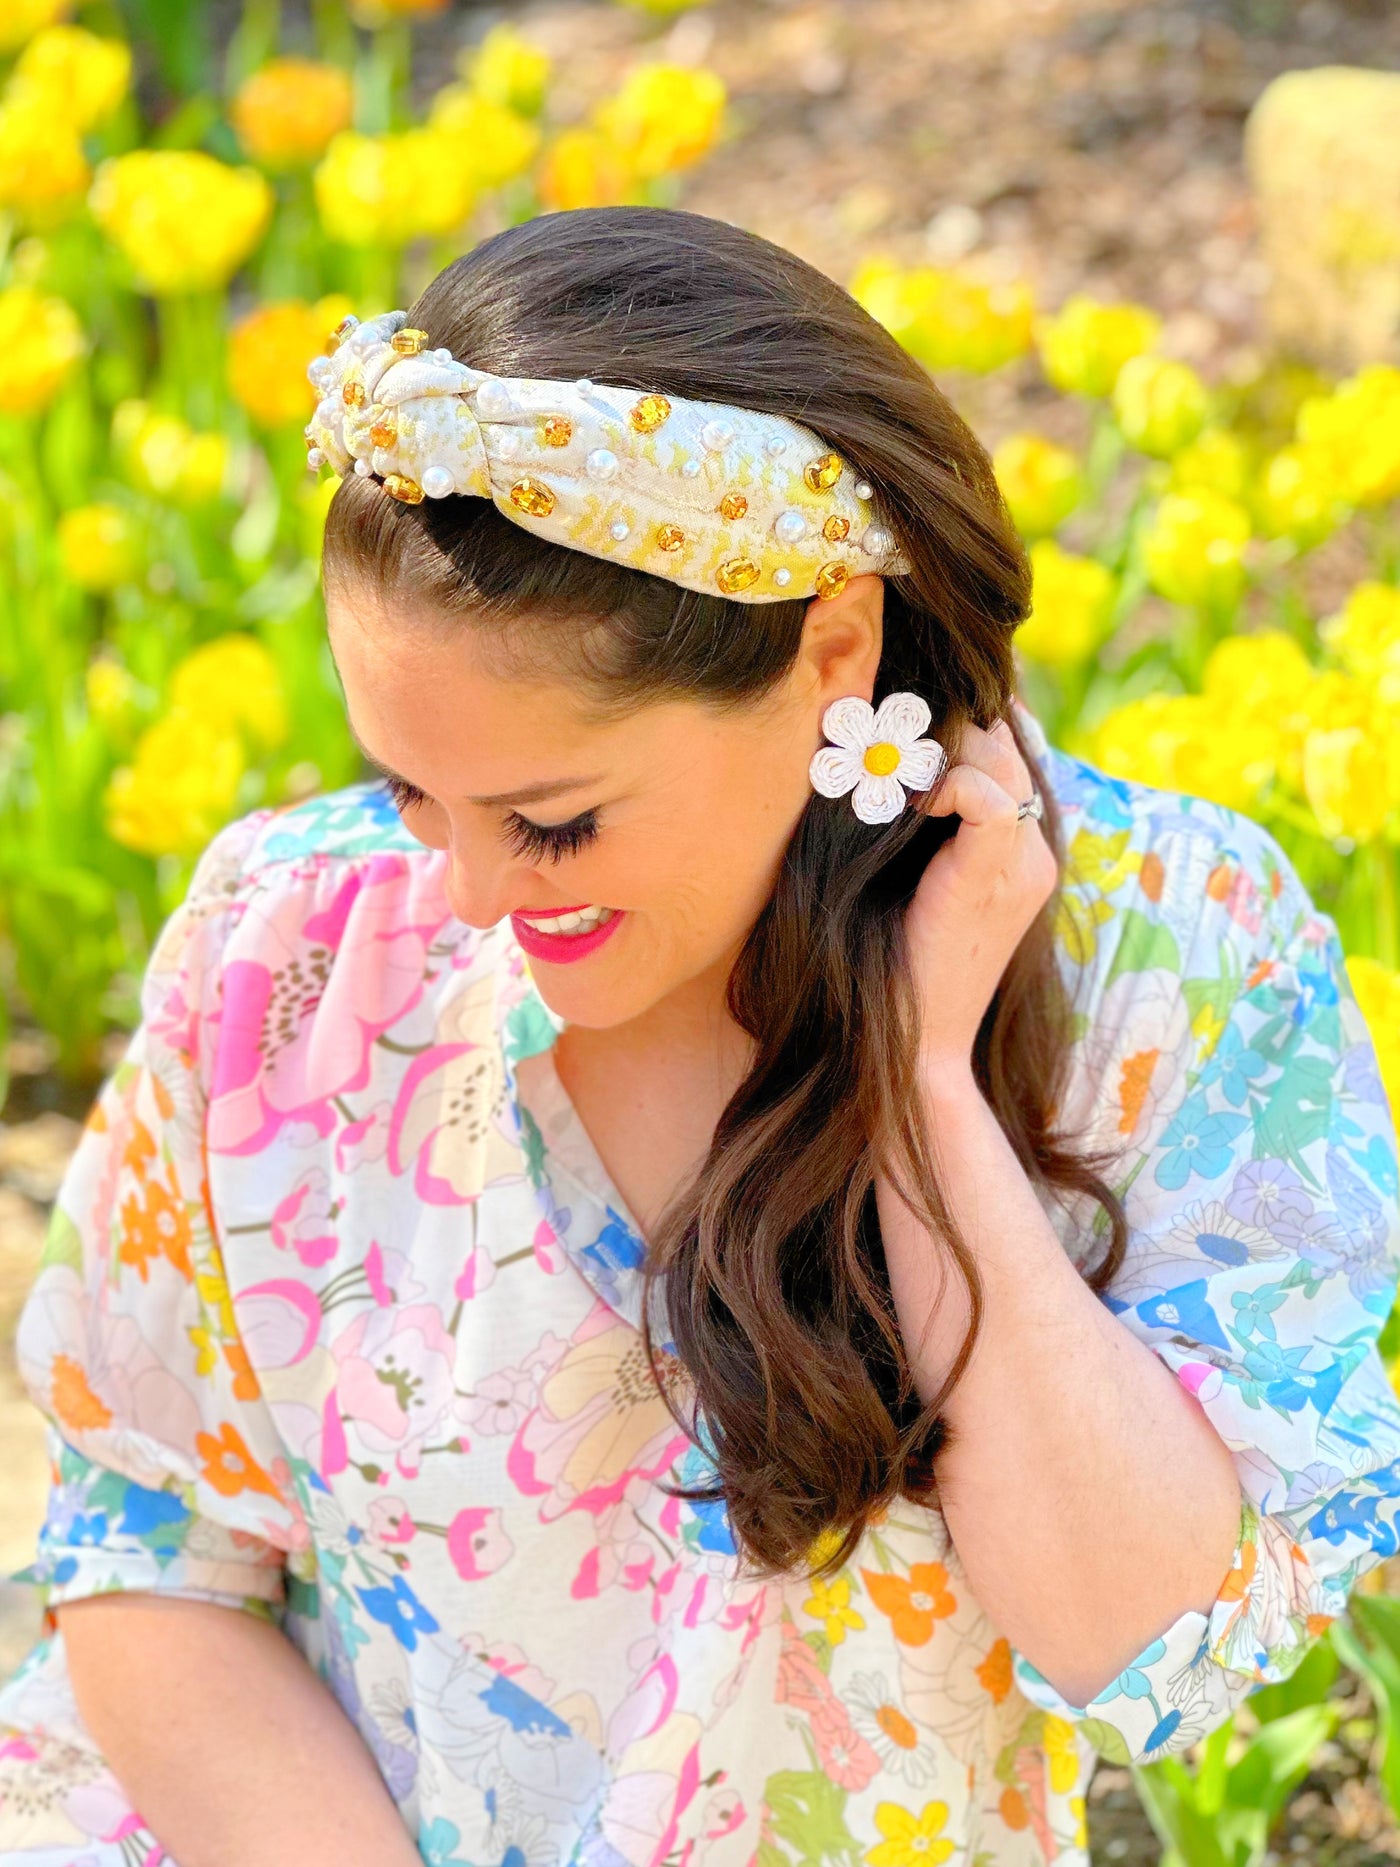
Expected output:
{"points": [[1031, 808]]}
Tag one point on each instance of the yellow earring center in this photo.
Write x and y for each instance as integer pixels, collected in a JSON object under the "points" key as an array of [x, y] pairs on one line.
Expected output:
{"points": [[881, 759]]}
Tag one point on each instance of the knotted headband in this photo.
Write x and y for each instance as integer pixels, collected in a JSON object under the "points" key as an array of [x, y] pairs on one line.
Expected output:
{"points": [[719, 499]]}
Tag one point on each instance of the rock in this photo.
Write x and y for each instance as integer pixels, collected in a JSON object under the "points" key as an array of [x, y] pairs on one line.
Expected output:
{"points": [[1323, 156]]}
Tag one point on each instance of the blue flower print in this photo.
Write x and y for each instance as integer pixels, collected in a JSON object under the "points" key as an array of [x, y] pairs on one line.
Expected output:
{"points": [[91, 1529], [437, 1844], [1317, 978], [1187, 1310], [1234, 1066], [1132, 1682], [144, 1511], [1353, 1513], [1254, 1311], [1268, 1193], [1197, 1142], [1286, 1384], [400, 1610]]}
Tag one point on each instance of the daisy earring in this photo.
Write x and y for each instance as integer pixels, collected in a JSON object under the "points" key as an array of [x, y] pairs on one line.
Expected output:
{"points": [[877, 753]]}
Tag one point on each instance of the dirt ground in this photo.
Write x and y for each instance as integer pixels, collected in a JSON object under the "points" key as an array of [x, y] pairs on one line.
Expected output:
{"points": [[1080, 144]]}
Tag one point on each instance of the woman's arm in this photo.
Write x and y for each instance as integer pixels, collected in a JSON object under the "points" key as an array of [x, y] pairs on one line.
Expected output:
{"points": [[224, 1738]]}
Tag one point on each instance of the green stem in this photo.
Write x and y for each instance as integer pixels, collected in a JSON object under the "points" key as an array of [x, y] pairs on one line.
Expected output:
{"points": [[257, 39]]}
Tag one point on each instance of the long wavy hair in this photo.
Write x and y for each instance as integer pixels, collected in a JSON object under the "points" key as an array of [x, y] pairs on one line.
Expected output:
{"points": [[775, 1283]]}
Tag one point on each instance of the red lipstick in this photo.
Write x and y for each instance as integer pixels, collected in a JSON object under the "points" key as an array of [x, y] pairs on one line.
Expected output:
{"points": [[560, 948]]}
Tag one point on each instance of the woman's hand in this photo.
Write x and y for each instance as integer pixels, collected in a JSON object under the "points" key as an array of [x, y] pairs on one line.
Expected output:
{"points": [[978, 895]]}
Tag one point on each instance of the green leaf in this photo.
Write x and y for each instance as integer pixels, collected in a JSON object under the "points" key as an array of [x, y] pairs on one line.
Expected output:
{"points": [[807, 1811], [1309, 1682], [1144, 943]]}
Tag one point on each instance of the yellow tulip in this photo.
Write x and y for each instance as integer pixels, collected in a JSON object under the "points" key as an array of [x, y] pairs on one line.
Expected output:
{"points": [[111, 695], [947, 320], [184, 221], [1143, 740], [1193, 549], [1217, 460], [287, 112], [98, 547], [1364, 635], [43, 170], [1072, 599], [78, 76], [1264, 672], [41, 344], [1161, 405], [388, 190], [1041, 481], [1348, 778], [1357, 429], [178, 791], [1295, 496], [664, 117], [1187, 743], [1377, 990], [21, 19], [165, 456], [507, 69], [1085, 344], [268, 353], [490, 141], [232, 684], [583, 168]]}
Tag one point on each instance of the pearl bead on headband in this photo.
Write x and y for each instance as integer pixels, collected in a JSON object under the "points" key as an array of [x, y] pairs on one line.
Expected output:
{"points": [[720, 499]]}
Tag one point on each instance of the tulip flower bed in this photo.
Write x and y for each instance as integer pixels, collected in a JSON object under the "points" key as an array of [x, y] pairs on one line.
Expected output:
{"points": [[168, 271]]}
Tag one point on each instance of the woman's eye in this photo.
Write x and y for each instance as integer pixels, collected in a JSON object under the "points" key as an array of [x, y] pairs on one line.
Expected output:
{"points": [[403, 793], [554, 840]]}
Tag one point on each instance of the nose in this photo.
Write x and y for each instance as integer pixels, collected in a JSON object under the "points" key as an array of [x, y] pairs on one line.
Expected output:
{"points": [[481, 887]]}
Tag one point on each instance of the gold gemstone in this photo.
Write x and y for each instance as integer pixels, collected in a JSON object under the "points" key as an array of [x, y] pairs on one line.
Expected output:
{"points": [[823, 472], [880, 760], [736, 574], [648, 413], [339, 334], [533, 496], [832, 579], [835, 528], [353, 395], [409, 491], [383, 434], [558, 430], [670, 537], [408, 343], [734, 505]]}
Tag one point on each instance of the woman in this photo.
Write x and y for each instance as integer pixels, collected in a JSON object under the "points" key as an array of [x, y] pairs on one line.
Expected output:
{"points": [[743, 1278]]}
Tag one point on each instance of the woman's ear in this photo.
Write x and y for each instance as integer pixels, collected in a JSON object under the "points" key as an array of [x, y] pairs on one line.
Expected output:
{"points": [[842, 637]]}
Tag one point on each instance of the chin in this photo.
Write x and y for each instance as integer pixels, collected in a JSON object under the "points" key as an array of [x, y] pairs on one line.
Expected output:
{"points": [[593, 1007]]}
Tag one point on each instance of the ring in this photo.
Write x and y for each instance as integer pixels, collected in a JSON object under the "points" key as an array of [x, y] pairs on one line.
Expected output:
{"points": [[1031, 808]]}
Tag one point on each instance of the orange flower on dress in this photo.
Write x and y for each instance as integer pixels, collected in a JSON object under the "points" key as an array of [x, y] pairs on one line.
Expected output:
{"points": [[73, 1399], [155, 1228], [913, 1604], [994, 1673], [229, 1466]]}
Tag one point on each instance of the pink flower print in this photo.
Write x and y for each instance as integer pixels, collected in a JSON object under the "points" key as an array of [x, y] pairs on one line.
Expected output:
{"points": [[512, 1663], [499, 1402], [477, 1543], [801, 1681], [395, 1383], [305, 1220], [476, 1275], [295, 1031], [1243, 901], [449, 1121], [362, 1142], [844, 1754], [622, 1552], [389, 1276], [390, 1522]]}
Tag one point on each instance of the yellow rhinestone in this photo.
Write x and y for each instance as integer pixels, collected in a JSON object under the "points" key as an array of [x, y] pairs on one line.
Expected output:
{"points": [[339, 334], [835, 528], [823, 472], [409, 491], [408, 343], [670, 537], [881, 759], [648, 413], [832, 579], [558, 430], [736, 574], [734, 505], [353, 395], [383, 434], [533, 496]]}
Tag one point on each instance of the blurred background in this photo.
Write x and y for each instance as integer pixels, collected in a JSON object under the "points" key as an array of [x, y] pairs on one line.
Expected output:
{"points": [[1150, 249]]}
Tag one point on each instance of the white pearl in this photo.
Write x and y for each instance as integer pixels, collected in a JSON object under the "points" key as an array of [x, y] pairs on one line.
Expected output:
{"points": [[776, 443], [876, 540], [716, 435], [493, 400], [321, 373], [619, 529], [782, 575], [583, 383], [864, 490], [602, 464], [437, 482], [329, 413], [363, 468], [790, 526], [442, 356], [690, 469], [315, 459], [506, 444]]}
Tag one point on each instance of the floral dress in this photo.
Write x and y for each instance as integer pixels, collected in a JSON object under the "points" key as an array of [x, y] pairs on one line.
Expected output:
{"points": [[337, 1324]]}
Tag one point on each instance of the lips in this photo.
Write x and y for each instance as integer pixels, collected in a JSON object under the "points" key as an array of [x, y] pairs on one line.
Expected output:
{"points": [[561, 948]]}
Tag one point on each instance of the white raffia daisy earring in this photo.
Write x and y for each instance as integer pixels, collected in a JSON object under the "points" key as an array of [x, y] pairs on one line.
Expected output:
{"points": [[877, 753]]}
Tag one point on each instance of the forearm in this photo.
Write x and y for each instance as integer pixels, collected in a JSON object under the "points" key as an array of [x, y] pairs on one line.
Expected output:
{"points": [[224, 1739], [1089, 1498]]}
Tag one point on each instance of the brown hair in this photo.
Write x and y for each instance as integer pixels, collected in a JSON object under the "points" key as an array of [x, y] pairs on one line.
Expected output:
{"points": [[776, 1288]]}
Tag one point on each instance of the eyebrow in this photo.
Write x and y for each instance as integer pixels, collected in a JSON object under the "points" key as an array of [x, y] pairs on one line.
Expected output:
{"points": [[527, 794]]}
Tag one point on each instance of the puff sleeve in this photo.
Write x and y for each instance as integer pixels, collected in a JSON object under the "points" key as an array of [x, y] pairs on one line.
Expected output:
{"points": [[1262, 1263], [165, 1462]]}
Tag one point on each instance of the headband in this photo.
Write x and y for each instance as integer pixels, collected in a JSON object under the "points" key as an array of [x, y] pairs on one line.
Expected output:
{"points": [[719, 499]]}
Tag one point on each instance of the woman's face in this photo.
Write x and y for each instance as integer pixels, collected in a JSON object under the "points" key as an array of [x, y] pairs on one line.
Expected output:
{"points": [[663, 831]]}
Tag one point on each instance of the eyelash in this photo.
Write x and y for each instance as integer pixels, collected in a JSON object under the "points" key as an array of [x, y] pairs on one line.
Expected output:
{"points": [[554, 840]]}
